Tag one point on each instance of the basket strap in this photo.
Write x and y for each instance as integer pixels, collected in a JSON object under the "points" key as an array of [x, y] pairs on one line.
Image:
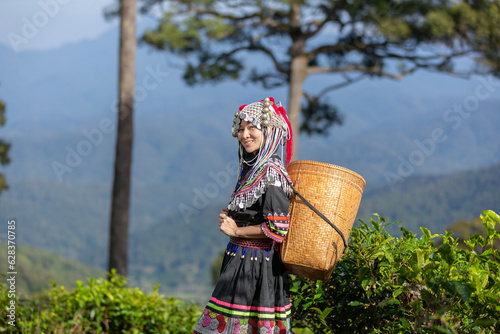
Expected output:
{"points": [[320, 214]]}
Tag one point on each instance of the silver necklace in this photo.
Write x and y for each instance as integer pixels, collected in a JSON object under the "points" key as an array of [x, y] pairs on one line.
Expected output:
{"points": [[249, 163]]}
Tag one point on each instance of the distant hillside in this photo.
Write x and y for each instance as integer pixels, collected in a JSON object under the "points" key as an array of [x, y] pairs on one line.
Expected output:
{"points": [[176, 250], [173, 158], [183, 132], [73, 220], [378, 154], [36, 268], [436, 202], [183, 152], [166, 247], [178, 254]]}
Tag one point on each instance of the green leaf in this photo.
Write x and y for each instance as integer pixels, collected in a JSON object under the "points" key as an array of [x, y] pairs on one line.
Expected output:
{"points": [[476, 239], [489, 214], [389, 302], [355, 303], [447, 253], [323, 314], [420, 258], [407, 234], [317, 296], [458, 288], [479, 277], [442, 330], [426, 232], [362, 272], [397, 292], [487, 252], [485, 323], [296, 302]]}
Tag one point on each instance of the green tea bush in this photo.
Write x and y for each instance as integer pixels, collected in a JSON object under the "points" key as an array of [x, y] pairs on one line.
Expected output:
{"points": [[102, 306], [385, 284], [382, 284]]}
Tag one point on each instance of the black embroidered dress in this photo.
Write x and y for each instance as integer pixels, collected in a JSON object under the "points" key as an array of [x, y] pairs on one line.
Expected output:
{"points": [[252, 294]]}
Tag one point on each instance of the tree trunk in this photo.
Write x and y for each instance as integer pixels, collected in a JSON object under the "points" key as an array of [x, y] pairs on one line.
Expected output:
{"points": [[298, 73], [120, 205], [297, 76]]}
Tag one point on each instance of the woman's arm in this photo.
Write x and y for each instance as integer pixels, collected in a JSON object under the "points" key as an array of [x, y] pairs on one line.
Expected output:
{"points": [[253, 232], [228, 226]]}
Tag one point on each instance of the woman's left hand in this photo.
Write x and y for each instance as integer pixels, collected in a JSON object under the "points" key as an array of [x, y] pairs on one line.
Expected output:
{"points": [[227, 225]]}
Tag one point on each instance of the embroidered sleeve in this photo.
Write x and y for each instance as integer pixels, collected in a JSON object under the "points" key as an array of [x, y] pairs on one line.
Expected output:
{"points": [[275, 210]]}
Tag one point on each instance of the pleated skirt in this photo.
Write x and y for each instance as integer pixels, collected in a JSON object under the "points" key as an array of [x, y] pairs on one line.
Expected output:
{"points": [[252, 294]]}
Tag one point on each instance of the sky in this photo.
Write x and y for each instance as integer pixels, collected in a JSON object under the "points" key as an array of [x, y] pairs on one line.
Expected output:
{"points": [[49, 24]]}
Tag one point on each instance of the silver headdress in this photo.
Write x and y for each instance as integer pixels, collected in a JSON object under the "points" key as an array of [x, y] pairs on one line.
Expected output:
{"points": [[265, 170], [262, 114]]}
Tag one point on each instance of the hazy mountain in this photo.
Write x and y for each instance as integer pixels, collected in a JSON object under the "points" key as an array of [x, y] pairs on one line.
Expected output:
{"points": [[60, 101], [176, 248], [435, 202], [61, 117], [36, 268]]}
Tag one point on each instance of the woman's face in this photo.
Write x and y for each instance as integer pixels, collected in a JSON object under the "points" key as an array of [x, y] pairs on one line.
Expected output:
{"points": [[249, 136]]}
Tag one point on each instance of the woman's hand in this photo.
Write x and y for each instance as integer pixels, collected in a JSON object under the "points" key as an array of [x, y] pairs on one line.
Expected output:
{"points": [[227, 225]]}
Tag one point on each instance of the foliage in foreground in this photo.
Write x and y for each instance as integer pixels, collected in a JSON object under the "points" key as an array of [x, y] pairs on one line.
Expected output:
{"points": [[406, 285], [101, 306], [382, 285]]}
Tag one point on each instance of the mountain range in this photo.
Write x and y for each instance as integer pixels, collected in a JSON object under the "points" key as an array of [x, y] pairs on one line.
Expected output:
{"points": [[408, 139], [177, 250]]}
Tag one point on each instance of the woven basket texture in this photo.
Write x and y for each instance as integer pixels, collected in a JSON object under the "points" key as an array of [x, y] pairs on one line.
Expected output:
{"points": [[312, 247]]}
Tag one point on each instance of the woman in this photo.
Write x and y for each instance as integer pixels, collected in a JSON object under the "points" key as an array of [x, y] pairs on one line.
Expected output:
{"points": [[252, 294]]}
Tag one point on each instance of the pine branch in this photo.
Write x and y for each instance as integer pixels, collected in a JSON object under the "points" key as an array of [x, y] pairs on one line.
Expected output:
{"points": [[254, 47], [348, 81], [374, 70]]}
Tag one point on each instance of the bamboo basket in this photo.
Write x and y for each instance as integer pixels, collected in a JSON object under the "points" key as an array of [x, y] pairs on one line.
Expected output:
{"points": [[312, 247]]}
